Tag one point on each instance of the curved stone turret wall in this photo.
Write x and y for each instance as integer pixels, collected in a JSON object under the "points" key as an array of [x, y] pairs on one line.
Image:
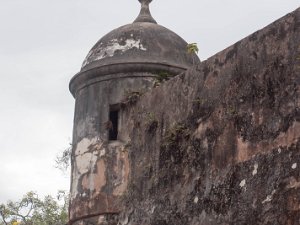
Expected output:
{"points": [[100, 166]]}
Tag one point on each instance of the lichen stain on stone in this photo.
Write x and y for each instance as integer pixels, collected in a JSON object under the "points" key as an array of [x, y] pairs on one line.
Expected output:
{"points": [[200, 131], [224, 150], [122, 169], [242, 149], [85, 183], [110, 49], [290, 136], [293, 203], [246, 150], [210, 81], [99, 177], [85, 62]]}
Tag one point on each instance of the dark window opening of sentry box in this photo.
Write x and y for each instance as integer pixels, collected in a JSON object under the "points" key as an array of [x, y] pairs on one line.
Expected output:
{"points": [[113, 119]]}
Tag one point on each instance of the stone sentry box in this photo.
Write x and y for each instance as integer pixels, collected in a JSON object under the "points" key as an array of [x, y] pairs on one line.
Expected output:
{"points": [[125, 60], [100, 165]]}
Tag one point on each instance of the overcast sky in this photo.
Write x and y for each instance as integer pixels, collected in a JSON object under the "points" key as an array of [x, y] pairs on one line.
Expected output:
{"points": [[42, 45]]}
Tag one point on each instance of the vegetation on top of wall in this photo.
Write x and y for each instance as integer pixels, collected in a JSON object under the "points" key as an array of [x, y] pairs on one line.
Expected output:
{"points": [[161, 77], [131, 97], [192, 48]]}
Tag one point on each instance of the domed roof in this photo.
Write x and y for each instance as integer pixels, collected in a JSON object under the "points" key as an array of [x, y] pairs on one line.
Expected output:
{"points": [[143, 41], [140, 47]]}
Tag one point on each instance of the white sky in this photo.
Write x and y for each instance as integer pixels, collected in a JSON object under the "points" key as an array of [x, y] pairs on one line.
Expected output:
{"points": [[42, 45]]}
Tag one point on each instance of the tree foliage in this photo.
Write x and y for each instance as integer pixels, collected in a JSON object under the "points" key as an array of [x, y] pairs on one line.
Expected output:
{"points": [[32, 210], [63, 160]]}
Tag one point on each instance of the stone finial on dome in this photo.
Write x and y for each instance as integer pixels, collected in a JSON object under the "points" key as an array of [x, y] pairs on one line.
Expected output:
{"points": [[145, 15]]}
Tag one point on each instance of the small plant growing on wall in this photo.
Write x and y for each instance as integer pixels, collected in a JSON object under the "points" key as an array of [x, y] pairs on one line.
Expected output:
{"points": [[63, 160], [151, 122], [199, 101], [192, 48], [131, 97], [175, 133], [161, 77], [231, 110]]}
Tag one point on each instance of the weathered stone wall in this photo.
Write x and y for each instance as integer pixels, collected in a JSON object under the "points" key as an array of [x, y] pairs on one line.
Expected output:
{"points": [[220, 144]]}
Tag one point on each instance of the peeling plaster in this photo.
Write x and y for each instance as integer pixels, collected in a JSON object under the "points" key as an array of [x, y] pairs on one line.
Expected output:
{"points": [[95, 181], [83, 145], [102, 152], [101, 219], [196, 199], [279, 150], [84, 162], [90, 168], [153, 209], [100, 178], [269, 197], [111, 48], [243, 183], [254, 172]]}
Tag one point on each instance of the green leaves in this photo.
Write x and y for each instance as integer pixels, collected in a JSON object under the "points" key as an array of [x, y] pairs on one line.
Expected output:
{"points": [[192, 48], [161, 77], [31, 210]]}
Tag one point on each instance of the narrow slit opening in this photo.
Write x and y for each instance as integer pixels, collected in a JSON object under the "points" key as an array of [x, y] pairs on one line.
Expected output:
{"points": [[114, 119]]}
